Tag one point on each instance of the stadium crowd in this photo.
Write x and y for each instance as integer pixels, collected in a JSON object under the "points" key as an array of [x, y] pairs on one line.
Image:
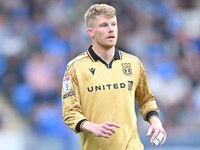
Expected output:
{"points": [[38, 38]]}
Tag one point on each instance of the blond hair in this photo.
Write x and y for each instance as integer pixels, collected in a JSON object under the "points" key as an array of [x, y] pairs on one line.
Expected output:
{"points": [[97, 10]]}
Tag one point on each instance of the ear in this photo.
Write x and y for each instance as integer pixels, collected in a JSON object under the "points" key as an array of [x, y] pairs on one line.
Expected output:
{"points": [[90, 32]]}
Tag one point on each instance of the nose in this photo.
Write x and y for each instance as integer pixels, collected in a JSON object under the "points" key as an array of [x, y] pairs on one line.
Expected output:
{"points": [[111, 28]]}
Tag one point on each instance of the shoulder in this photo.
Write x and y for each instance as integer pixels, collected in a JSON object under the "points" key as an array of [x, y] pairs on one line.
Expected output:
{"points": [[77, 60], [126, 55], [134, 60]]}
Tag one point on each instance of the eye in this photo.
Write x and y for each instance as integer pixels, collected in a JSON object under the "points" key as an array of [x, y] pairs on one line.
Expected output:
{"points": [[103, 25], [114, 23]]}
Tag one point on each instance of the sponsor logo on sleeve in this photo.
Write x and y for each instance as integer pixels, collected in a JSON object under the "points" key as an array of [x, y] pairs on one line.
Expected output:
{"points": [[68, 94], [67, 84]]}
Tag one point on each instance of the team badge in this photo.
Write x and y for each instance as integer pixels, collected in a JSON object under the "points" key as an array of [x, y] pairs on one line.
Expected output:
{"points": [[67, 84], [126, 67]]}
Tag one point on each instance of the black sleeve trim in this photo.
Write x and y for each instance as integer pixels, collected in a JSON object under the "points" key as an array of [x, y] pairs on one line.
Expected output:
{"points": [[150, 114], [78, 126]]}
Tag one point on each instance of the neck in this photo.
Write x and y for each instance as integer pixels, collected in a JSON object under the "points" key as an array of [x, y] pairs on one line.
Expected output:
{"points": [[106, 54]]}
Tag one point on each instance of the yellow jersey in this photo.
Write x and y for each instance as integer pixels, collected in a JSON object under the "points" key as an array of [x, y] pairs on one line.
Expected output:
{"points": [[96, 91]]}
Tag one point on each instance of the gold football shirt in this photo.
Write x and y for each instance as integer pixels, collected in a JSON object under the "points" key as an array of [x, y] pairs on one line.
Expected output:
{"points": [[96, 91]]}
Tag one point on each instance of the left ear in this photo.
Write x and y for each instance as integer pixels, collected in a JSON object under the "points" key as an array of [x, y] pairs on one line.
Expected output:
{"points": [[90, 32]]}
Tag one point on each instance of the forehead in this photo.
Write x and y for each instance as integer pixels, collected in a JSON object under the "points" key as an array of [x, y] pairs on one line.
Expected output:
{"points": [[104, 19]]}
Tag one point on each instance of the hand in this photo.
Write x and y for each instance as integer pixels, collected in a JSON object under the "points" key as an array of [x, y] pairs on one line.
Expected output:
{"points": [[105, 129], [156, 128]]}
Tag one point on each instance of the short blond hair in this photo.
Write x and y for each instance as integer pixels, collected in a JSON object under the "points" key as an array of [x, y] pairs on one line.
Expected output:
{"points": [[97, 10]]}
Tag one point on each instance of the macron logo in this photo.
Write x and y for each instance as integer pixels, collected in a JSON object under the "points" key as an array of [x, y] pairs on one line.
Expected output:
{"points": [[92, 70]]}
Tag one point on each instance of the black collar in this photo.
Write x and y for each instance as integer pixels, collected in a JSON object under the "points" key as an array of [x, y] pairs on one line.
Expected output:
{"points": [[95, 57]]}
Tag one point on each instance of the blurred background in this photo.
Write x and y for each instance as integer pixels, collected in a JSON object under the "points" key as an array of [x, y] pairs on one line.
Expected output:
{"points": [[39, 37]]}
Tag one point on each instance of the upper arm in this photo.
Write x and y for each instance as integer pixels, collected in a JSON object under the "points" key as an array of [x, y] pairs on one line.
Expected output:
{"points": [[71, 106]]}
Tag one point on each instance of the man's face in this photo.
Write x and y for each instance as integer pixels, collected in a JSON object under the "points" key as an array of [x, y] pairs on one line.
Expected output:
{"points": [[104, 31]]}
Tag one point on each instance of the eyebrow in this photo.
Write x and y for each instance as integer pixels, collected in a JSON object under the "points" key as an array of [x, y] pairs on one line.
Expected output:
{"points": [[108, 23]]}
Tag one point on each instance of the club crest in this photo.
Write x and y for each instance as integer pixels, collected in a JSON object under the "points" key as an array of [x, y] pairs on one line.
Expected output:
{"points": [[127, 70]]}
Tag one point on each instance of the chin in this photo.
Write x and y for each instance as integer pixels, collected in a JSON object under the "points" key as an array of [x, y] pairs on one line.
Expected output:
{"points": [[110, 45]]}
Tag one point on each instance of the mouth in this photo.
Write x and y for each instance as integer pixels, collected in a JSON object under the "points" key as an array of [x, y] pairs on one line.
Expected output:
{"points": [[111, 37]]}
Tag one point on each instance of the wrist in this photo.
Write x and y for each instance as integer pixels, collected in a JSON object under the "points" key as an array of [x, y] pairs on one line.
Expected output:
{"points": [[87, 126], [154, 120], [79, 124], [150, 114]]}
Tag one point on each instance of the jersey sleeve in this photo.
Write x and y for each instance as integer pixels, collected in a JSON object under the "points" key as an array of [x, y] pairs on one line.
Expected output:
{"points": [[71, 107], [144, 96]]}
